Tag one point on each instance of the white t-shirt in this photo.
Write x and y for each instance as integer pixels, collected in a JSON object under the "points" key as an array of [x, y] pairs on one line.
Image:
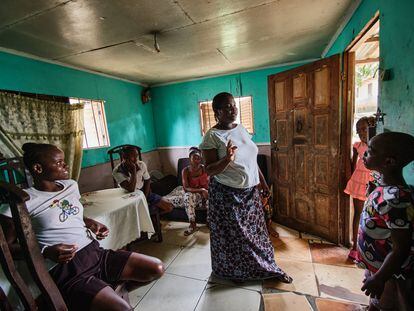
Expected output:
{"points": [[243, 171], [57, 217], [121, 174]]}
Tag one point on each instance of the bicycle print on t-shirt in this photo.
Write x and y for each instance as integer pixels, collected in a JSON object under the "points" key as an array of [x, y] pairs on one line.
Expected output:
{"points": [[66, 207]]}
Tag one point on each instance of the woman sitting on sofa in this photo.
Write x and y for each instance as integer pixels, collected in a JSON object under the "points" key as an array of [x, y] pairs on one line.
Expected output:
{"points": [[194, 192]]}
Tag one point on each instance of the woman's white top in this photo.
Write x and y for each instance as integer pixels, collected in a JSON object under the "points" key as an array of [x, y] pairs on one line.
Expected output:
{"points": [[243, 171]]}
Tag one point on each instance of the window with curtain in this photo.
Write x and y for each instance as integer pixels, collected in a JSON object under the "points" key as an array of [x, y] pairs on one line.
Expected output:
{"points": [[245, 115], [95, 127]]}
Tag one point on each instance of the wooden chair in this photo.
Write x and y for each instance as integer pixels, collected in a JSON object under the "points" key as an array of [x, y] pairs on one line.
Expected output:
{"points": [[13, 171], [118, 151], [155, 215], [50, 295]]}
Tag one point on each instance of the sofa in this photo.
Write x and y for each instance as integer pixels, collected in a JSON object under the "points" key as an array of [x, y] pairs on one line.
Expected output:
{"points": [[167, 183]]}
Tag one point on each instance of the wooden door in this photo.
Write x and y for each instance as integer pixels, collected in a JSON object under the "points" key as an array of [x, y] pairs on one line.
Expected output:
{"points": [[305, 127]]}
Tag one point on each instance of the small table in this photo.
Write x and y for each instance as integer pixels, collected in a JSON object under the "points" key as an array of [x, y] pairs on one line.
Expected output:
{"points": [[125, 214]]}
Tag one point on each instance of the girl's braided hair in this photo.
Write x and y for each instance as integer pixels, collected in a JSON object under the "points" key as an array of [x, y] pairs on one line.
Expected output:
{"points": [[34, 153]]}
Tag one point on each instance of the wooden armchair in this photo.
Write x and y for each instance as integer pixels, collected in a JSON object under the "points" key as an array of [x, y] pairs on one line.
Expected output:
{"points": [[50, 298], [155, 215], [14, 172]]}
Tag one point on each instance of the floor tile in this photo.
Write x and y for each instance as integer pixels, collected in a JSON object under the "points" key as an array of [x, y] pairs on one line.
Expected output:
{"points": [[340, 282], [171, 225], [173, 293], [202, 237], [165, 252], [136, 295], [192, 262], [220, 297], [334, 305], [251, 285], [304, 280], [292, 248], [286, 302], [330, 255], [285, 231], [173, 233]]}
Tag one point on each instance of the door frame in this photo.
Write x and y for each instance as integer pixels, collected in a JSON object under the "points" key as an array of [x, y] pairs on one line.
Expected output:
{"points": [[348, 105]]}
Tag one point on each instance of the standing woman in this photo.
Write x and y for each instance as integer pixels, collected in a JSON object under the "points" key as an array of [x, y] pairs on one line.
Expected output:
{"points": [[240, 245]]}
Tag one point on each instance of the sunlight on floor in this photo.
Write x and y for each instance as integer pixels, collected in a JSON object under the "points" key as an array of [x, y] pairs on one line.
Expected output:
{"points": [[324, 279]]}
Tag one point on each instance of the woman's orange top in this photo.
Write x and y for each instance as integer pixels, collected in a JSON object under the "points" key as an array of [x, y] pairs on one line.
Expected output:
{"points": [[198, 182]]}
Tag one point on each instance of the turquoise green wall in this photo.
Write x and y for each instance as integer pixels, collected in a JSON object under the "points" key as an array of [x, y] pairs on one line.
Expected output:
{"points": [[129, 121], [176, 109], [396, 53]]}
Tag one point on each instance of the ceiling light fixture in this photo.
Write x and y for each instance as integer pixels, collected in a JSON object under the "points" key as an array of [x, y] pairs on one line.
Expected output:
{"points": [[156, 45]]}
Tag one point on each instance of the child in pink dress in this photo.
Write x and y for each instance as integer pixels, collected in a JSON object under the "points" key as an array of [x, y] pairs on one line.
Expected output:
{"points": [[357, 184]]}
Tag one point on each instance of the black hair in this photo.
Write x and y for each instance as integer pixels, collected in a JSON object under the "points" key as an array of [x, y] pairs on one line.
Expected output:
{"points": [[128, 149], [219, 98], [363, 119], [34, 153], [194, 150], [398, 145]]}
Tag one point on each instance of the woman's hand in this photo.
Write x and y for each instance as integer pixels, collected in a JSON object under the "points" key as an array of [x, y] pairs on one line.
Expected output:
{"points": [[231, 151], [60, 253], [204, 193], [130, 166]]}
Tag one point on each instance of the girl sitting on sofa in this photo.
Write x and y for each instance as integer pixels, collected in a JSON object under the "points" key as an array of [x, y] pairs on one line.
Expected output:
{"points": [[194, 191]]}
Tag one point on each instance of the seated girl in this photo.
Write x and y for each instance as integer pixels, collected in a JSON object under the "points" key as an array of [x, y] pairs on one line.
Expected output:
{"points": [[85, 273], [194, 192], [132, 174]]}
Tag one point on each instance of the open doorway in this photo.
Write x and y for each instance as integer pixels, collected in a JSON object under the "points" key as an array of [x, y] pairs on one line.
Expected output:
{"points": [[361, 66], [366, 73]]}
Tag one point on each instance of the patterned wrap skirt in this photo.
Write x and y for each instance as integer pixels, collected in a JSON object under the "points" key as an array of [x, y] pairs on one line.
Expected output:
{"points": [[240, 245]]}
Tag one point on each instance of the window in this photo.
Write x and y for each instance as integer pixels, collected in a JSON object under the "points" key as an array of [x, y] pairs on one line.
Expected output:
{"points": [[245, 115], [95, 129]]}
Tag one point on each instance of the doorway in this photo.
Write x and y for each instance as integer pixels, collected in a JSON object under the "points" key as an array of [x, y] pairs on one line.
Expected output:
{"points": [[312, 132], [366, 82], [360, 97]]}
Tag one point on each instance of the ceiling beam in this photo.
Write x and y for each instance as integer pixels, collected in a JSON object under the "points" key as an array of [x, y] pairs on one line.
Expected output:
{"points": [[372, 39], [367, 60]]}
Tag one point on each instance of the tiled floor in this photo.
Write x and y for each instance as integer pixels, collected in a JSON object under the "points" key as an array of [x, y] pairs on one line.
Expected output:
{"points": [[323, 277]]}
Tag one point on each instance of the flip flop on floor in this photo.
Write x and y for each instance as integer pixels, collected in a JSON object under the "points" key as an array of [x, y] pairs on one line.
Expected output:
{"points": [[190, 231]]}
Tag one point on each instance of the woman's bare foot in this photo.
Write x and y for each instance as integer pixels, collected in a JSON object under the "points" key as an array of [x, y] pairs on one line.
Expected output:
{"points": [[284, 278]]}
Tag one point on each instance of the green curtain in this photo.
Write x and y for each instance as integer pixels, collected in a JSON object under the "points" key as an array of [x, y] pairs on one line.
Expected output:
{"points": [[28, 119]]}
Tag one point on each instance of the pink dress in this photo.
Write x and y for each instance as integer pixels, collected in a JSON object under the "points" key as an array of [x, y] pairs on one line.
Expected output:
{"points": [[357, 184]]}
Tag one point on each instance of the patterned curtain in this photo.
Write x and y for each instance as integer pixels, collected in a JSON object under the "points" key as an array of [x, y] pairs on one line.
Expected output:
{"points": [[27, 119]]}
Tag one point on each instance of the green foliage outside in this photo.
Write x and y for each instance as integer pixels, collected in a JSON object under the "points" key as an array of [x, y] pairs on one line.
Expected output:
{"points": [[366, 72]]}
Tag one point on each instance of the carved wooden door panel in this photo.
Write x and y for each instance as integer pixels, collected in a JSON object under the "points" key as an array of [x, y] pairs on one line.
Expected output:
{"points": [[305, 125]]}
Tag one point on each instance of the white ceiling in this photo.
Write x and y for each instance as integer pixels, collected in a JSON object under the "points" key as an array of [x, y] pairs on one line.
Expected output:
{"points": [[197, 37]]}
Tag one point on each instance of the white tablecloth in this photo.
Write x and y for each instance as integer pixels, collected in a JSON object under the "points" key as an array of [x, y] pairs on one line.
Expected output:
{"points": [[125, 214]]}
